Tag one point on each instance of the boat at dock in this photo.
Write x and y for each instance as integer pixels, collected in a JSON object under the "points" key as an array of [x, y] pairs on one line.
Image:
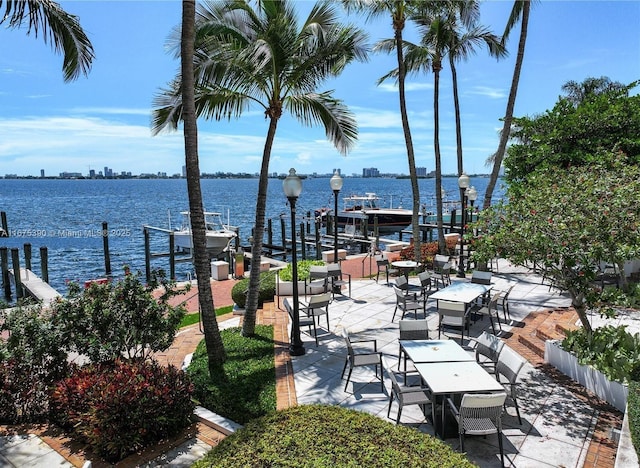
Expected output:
{"points": [[357, 208], [219, 235]]}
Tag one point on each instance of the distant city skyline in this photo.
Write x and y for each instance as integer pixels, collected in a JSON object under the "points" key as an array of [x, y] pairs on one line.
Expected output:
{"points": [[47, 124]]}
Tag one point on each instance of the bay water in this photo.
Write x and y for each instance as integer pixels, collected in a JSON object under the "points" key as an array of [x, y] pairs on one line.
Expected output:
{"points": [[67, 216]]}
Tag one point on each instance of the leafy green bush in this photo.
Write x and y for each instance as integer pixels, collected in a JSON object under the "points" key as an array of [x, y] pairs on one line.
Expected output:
{"points": [[286, 274], [123, 406], [246, 386], [326, 436], [267, 289], [633, 407], [612, 350], [32, 358], [122, 318]]}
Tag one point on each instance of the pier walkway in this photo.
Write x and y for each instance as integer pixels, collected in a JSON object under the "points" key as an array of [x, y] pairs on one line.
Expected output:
{"points": [[35, 286]]}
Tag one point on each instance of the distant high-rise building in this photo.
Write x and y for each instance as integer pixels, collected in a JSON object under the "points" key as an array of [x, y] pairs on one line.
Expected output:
{"points": [[184, 171], [42, 173], [421, 171], [370, 172], [92, 173], [338, 171]]}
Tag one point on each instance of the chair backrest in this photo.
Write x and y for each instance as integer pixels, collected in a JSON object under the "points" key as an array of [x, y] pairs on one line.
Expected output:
{"points": [[318, 271], [402, 283], [482, 406], [334, 270], [414, 330], [394, 382], [481, 277], [401, 298], [425, 279], [382, 263], [489, 345], [452, 313], [509, 364], [319, 300], [287, 306], [345, 335], [442, 259]]}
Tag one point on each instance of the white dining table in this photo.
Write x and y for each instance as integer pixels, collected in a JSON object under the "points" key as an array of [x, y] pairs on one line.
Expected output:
{"points": [[455, 378], [405, 266], [435, 351], [461, 291]]}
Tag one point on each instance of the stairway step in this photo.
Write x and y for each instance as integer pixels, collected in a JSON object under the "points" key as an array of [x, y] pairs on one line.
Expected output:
{"points": [[533, 343]]}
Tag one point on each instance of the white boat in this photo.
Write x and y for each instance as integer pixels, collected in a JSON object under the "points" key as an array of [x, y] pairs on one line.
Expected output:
{"points": [[219, 235], [357, 207]]}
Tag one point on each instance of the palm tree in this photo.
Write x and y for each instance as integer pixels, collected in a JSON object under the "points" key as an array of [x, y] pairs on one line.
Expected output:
{"points": [[260, 56], [58, 27], [520, 11], [462, 46], [578, 92], [398, 10], [213, 341]]}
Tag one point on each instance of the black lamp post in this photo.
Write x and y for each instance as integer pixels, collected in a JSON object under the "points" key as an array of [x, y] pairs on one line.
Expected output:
{"points": [[463, 184], [292, 187], [336, 185]]}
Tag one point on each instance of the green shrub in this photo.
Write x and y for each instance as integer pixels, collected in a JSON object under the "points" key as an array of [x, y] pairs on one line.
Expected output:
{"points": [[286, 274], [428, 251], [121, 318], [611, 350], [32, 358], [120, 407], [633, 407], [267, 289], [330, 436], [245, 388]]}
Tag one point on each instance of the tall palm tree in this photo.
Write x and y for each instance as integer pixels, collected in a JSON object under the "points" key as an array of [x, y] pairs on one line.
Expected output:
{"points": [[58, 27], [520, 11], [215, 349], [261, 56], [463, 45], [398, 10]]}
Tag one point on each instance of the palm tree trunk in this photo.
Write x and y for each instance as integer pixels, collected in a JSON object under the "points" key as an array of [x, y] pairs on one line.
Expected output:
{"points": [[213, 340], [506, 128], [413, 175], [249, 322], [456, 106], [436, 145]]}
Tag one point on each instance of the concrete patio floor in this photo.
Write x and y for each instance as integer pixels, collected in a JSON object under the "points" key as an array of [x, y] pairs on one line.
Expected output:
{"points": [[557, 426]]}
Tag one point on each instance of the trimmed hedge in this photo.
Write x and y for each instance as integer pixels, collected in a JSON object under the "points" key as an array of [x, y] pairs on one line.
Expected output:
{"points": [[330, 436], [267, 289]]}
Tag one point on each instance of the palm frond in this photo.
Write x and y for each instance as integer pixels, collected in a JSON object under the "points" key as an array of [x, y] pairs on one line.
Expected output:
{"points": [[339, 123], [59, 28]]}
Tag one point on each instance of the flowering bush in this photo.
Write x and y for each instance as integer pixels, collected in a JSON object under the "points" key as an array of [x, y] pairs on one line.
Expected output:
{"points": [[123, 406], [428, 251]]}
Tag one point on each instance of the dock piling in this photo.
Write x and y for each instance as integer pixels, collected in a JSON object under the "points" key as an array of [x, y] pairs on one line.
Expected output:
{"points": [[172, 256], [15, 258], [44, 263], [27, 256], [4, 227], [105, 244], [4, 265], [147, 253]]}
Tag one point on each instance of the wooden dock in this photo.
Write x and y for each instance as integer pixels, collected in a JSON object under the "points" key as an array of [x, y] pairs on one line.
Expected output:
{"points": [[35, 286]]}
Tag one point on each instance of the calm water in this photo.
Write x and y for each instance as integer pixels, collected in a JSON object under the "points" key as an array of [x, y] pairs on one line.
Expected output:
{"points": [[66, 216]]}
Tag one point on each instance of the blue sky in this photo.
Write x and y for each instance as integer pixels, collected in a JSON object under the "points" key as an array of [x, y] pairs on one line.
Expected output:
{"points": [[104, 119]]}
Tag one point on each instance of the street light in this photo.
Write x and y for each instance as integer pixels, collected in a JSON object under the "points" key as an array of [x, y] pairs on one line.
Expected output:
{"points": [[336, 185], [463, 184], [292, 187]]}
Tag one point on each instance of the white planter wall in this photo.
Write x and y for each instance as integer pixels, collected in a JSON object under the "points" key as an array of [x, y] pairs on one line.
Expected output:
{"points": [[613, 393]]}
